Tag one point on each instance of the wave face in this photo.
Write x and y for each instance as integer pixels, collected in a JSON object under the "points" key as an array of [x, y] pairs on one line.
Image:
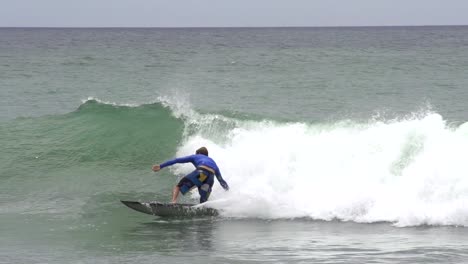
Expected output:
{"points": [[409, 171], [96, 132]]}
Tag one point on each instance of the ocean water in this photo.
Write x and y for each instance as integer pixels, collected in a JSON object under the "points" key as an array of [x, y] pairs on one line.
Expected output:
{"points": [[341, 145]]}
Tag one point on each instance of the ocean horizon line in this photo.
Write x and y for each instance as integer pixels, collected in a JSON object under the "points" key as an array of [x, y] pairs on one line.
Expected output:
{"points": [[222, 27]]}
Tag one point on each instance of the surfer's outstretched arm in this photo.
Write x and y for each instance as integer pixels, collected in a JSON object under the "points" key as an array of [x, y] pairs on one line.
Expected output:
{"points": [[172, 162], [221, 180]]}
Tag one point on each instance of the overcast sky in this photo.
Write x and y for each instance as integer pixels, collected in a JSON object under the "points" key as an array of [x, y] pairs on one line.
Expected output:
{"points": [[230, 13]]}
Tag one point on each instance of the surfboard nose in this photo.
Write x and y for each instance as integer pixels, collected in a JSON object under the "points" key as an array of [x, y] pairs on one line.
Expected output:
{"points": [[140, 207]]}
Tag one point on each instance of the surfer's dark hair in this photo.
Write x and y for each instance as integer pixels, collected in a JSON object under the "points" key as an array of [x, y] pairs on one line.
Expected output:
{"points": [[202, 150]]}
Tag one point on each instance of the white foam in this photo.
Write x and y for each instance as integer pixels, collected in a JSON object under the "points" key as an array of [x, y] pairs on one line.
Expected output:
{"points": [[409, 172]]}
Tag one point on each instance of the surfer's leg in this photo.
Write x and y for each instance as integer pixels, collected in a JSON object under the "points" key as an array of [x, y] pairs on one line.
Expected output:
{"points": [[204, 191], [175, 193], [184, 185]]}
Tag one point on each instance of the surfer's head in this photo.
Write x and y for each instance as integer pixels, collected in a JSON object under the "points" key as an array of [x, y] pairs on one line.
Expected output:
{"points": [[202, 150]]}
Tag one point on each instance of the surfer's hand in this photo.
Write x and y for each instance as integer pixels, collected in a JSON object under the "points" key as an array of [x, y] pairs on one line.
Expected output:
{"points": [[224, 185], [156, 167]]}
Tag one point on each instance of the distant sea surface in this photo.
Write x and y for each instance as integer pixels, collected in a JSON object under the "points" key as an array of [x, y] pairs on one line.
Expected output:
{"points": [[341, 145]]}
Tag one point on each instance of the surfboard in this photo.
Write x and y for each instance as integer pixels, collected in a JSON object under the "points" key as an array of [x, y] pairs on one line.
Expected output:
{"points": [[170, 210]]}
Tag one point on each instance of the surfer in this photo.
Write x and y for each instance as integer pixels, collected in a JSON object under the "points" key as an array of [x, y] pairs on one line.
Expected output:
{"points": [[202, 177]]}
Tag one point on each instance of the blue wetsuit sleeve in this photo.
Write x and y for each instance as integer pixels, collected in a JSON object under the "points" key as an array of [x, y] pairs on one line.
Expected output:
{"points": [[221, 180], [177, 160]]}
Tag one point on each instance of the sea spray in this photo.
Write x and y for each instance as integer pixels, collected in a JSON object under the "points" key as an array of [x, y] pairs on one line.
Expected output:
{"points": [[410, 171]]}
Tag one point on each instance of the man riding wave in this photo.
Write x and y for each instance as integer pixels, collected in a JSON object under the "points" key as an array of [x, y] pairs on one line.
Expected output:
{"points": [[202, 177]]}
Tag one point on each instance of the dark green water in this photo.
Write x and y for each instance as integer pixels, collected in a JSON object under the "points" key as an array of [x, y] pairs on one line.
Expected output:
{"points": [[341, 145]]}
